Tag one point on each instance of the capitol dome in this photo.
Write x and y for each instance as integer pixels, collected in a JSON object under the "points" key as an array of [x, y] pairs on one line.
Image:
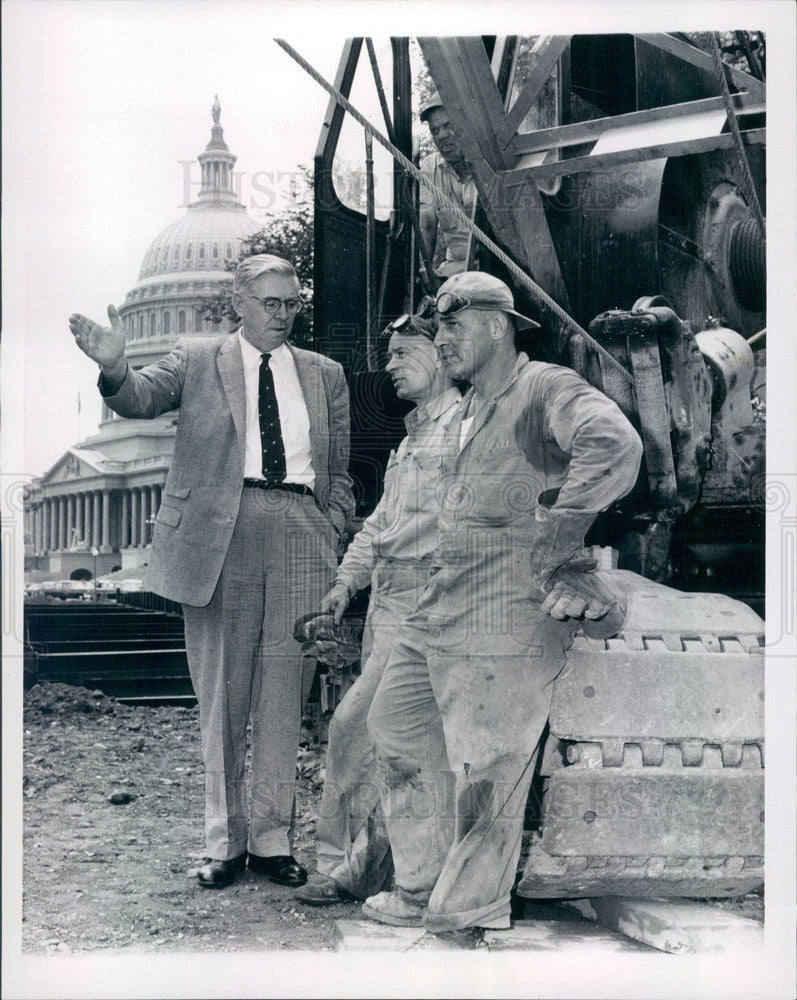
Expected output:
{"points": [[200, 241], [187, 262]]}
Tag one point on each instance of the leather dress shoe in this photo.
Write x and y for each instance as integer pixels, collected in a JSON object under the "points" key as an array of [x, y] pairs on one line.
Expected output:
{"points": [[283, 869], [216, 874]]}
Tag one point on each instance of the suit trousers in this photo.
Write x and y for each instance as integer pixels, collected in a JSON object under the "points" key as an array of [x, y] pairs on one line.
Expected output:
{"points": [[245, 665], [353, 846]]}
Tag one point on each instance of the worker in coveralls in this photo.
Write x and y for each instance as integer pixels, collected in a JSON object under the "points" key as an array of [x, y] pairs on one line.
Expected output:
{"points": [[534, 454], [393, 552], [449, 171]]}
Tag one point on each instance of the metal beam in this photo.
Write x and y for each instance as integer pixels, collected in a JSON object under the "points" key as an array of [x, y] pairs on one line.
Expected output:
{"points": [[333, 119], [463, 76], [590, 131], [547, 57], [702, 60], [503, 64], [607, 161]]}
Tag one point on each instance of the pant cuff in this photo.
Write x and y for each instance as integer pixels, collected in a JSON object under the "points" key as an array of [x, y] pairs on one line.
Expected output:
{"points": [[225, 853], [328, 864], [419, 897], [340, 872], [495, 916]]}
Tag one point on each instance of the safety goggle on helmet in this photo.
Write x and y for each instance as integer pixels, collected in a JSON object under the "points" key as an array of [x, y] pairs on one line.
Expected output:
{"points": [[420, 323], [477, 290]]}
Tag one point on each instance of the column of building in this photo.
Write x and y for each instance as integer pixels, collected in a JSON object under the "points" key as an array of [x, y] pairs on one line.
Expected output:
{"points": [[56, 521]]}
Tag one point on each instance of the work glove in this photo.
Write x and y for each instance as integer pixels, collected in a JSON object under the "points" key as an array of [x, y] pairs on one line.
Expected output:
{"points": [[336, 646], [576, 590]]}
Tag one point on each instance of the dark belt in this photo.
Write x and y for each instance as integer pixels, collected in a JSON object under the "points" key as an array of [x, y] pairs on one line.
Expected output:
{"points": [[261, 484]]}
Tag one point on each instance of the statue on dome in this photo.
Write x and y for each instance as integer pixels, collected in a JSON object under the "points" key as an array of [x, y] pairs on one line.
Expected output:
{"points": [[216, 110]]}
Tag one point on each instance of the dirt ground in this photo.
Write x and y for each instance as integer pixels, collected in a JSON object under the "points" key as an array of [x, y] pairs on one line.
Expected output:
{"points": [[113, 802], [105, 876]]}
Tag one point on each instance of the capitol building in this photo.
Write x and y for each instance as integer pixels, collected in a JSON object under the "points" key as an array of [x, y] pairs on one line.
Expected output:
{"points": [[104, 493]]}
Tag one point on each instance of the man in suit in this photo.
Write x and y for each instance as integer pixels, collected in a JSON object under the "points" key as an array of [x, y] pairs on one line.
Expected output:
{"points": [[256, 499]]}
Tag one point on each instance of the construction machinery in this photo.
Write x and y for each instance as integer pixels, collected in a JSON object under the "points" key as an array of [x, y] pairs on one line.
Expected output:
{"points": [[621, 193]]}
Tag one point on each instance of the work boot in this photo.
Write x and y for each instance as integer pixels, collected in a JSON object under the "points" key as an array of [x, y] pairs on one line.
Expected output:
{"points": [[321, 890], [392, 908]]}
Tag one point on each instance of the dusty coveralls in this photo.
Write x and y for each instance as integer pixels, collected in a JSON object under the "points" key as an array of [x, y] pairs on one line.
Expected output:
{"points": [[393, 550], [466, 691]]}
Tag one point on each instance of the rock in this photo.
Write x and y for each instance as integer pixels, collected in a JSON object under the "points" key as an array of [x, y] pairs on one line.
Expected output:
{"points": [[97, 693], [120, 798]]}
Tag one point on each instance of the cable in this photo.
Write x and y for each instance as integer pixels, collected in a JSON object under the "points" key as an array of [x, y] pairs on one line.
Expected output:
{"points": [[441, 198], [745, 177]]}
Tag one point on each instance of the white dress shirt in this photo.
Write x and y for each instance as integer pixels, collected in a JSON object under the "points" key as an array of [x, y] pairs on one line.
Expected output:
{"points": [[294, 420]]}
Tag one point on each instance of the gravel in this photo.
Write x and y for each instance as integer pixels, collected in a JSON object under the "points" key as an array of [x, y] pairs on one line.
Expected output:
{"points": [[113, 801]]}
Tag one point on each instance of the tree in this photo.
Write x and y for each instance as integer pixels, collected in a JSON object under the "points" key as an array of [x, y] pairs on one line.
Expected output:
{"points": [[288, 234], [423, 87], [743, 50]]}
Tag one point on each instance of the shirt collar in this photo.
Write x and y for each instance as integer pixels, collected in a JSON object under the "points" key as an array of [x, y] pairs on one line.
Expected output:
{"points": [[520, 364], [432, 409], [251, 355], [447, 166]]}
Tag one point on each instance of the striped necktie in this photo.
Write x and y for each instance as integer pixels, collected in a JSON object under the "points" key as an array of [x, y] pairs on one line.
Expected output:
{"points": [[270, 430]]}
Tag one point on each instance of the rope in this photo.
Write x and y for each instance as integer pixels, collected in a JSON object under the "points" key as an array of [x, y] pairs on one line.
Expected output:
{"points": [[747, 259], [523, 279], [745, 178]]}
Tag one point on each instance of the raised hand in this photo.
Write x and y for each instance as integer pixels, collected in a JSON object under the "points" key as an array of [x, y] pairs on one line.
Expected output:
{"points": [[105, 345]]}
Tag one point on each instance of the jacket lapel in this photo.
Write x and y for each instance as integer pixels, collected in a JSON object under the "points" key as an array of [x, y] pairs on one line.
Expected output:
{"points": [[231, 371], [316, 400]]}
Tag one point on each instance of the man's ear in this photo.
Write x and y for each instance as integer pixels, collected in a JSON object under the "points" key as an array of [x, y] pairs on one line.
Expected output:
{"points": [[236, 301], [498, 326]]}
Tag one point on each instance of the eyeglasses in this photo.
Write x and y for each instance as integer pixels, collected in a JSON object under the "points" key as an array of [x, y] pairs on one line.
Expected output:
{"points": [[272, 304]]}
